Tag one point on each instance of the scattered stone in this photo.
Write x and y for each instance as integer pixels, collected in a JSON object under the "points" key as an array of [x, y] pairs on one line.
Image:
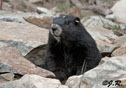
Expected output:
{"points": [[12, 61], [113, 68], [33, 81]]}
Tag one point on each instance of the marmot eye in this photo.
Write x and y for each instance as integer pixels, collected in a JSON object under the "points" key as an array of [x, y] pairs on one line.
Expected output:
{"points": [[77, 20]]}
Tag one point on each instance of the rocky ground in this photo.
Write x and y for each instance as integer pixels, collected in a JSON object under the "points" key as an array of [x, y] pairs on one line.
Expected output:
{"points": [[24, 28]]}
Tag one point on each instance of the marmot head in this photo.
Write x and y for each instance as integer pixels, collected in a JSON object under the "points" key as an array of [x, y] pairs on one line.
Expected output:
{"points": [[66, 27]]}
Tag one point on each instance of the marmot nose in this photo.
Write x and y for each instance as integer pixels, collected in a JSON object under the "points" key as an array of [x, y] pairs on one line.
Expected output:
{"points": [[54, 28]]}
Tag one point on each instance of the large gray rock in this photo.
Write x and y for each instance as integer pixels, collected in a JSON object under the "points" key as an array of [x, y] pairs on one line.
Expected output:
{"points": [[24, 37], [113, 68], [33, 81], [119, 10]]}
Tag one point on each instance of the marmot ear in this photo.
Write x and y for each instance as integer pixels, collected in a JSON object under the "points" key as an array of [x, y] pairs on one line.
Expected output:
{"points": [[77, 20]]}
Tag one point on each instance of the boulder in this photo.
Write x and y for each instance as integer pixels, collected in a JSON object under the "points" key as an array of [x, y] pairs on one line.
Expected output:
{"points": [[119, 10], [113, 68], [11, 61], [33, 81]]}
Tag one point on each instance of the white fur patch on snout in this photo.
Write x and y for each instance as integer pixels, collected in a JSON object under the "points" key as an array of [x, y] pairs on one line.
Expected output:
{"points": [[56, 33]]}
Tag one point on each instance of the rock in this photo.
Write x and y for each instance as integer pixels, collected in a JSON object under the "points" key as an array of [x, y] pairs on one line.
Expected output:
{"points": [[42, 10], [5, 68], [37, 55], [24, 37], [120, 40], [6, 77], [120, 51], [119, 10], [33, 81], [41, 21], [12, 61], [72, 80], [110, 17], [98, 21], [113, 68]]}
